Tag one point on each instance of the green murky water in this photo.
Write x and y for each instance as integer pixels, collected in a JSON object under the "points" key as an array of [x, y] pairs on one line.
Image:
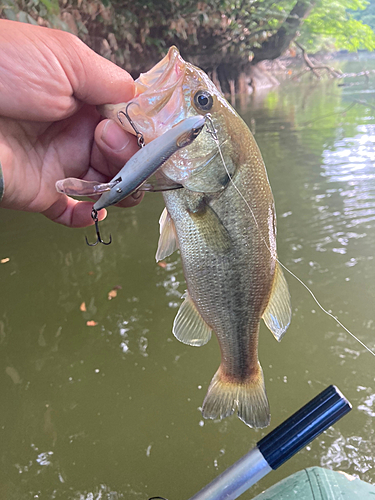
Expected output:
{"points": [[112, 411]]}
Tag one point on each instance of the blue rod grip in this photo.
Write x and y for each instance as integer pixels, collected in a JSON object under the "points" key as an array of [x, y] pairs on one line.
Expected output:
{"points": [[302, 427]]}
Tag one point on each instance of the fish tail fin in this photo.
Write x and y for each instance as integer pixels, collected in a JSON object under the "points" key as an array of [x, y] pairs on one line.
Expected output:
{"points": [[248, 398]]}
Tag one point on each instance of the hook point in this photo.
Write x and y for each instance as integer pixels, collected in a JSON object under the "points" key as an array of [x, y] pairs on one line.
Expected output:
{"points": [[94, 216]]}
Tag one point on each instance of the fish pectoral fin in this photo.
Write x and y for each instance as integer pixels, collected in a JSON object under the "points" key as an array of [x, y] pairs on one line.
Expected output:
{"points": [[189, 327], [214, 235], [248, 398], [278, 312], [168, 238]]}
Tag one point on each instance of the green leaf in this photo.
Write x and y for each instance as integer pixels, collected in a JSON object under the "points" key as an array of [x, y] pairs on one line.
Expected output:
{"points": [[52, 6]]}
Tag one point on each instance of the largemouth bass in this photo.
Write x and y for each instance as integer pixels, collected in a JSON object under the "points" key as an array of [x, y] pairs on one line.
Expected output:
{"points": [[223, 222]]}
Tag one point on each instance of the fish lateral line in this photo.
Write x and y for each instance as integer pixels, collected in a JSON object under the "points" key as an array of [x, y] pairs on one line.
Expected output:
{"points": [[213, 132]]}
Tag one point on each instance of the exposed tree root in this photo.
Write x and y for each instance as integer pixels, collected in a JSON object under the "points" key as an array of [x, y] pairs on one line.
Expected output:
{"points": [[334, 73], [313, 67]]}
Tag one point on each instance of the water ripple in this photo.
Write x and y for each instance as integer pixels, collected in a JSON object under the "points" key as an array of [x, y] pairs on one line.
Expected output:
{"points": [[348, 167], [348, 453], [368, 404]]}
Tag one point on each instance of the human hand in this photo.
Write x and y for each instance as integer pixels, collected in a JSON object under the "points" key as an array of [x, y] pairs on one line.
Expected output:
{"points": [[50, 84]]}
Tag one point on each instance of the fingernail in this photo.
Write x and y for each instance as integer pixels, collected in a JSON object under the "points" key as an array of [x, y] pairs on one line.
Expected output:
{"points": [[102, 214], [137, 194], [114, 137]]}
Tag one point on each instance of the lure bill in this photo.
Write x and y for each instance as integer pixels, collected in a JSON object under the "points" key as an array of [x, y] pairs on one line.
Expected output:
{"points": [[78, 187]]}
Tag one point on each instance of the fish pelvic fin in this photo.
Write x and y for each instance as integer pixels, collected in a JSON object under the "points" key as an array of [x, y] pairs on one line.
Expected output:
{"points": [[248, 398], [189, 327], [168, 237], [278, 313]]}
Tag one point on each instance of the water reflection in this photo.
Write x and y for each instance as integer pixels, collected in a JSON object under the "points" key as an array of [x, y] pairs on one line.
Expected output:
{"points": [[368, 404], [104, 492], [351, 165], [348, 453]]}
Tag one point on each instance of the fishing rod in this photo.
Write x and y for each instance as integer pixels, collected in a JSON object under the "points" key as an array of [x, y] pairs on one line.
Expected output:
{"points": [[278, 446]]}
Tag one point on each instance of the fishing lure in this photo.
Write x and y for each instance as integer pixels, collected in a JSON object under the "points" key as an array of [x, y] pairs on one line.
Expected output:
{"points": [[141, 166]]}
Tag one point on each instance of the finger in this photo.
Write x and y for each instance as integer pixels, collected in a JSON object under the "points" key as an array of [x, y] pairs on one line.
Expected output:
{"points": [[115, 147], [72, 213], [112, 149], [132, 200], [54, 74]]}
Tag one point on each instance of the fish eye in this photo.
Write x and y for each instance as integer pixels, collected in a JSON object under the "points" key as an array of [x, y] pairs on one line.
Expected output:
{"points": [[203, 100]]}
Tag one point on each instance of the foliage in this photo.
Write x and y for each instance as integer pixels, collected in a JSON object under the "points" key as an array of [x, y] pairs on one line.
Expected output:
{"points": [[332, 26], [223, 29], [367, 15], [210, 33], [42, 12]]}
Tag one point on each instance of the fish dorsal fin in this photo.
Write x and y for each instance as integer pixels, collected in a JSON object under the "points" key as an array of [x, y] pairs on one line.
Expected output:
{"points": [[278, 312], [168, 239], [189, 327]]}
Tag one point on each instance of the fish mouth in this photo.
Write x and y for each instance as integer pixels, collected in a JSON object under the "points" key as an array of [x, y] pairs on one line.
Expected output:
{"points": [[158, 103], [154, 89], [163, 98]]}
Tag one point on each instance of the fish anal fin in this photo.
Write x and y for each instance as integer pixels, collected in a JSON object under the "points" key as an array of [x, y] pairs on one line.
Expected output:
{"points": [[189, 327], [278, 313], [248, 398], [168, 237]]}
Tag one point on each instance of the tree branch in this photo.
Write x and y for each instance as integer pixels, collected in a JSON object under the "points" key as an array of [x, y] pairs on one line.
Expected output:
{"points": [[278, 43], [313, 67]]}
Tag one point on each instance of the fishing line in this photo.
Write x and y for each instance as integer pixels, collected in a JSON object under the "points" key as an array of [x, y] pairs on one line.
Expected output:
{"points": [[213, 133]]}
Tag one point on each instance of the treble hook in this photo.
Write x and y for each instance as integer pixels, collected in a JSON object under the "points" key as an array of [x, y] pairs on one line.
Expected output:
{"points": [[140, 138], [94, 215]]}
